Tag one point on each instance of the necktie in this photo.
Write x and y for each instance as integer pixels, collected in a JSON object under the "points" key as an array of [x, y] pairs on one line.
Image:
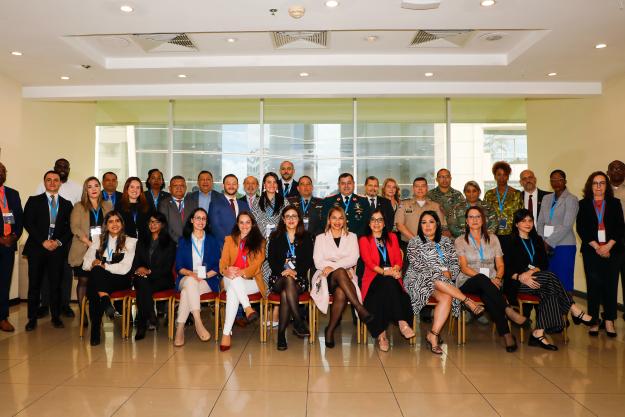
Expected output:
{"points": [[372, 202], [530, 205], [234, 210], [53, 210], [180, 208], [346, 200], [286, 189]]}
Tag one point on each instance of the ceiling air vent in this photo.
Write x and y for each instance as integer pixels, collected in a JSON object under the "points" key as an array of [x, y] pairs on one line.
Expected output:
{"points": [[440, 38], [300, 40], [165, 42]]}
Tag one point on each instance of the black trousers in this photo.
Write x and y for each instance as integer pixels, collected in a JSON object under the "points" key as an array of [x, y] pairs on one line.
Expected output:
{"points": [[45, 266], [388, 303], [622, 271], [145, 287], [7, 258], [494, 300], [66, 287], [101, 280], [602, 283]]}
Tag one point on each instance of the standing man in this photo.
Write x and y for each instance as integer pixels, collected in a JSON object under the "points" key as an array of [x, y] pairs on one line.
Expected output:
{"points": [[177, 207], [531, 195], [109, 188], [250, 185], [46, 219], [69, 190], [409, 211], [356, 207], [225, 208], [616, 173], [311, 207], [205, 193], [372, 185], [444, 195], [10, 232], [287, 185]]}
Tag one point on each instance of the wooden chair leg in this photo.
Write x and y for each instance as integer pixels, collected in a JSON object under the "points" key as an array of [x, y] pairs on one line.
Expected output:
{"points": [[413, 341], [311, 338], [217, 317], [521, 331], [564, 332], [461, 329], [262, 331], [170, 323], [83, 307]]}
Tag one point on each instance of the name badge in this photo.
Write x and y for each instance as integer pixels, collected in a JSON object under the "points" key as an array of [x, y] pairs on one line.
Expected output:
{"points": [[485, 271], [306, 223], [270, 228], [51, 231], [290, 263], [201, 271], [503, 224], [95, 231], [530, 266], [408, 211], [601, 236], [548, 230], [8, 218]]}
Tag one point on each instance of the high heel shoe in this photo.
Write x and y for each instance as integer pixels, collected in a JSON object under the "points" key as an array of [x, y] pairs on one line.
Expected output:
{"points": [[539, 342], [282, 342], [301, 329], [329, 343], [477, 310], [406, 331], [436, 349], [513, 347], [579, 319], [608, 333]]}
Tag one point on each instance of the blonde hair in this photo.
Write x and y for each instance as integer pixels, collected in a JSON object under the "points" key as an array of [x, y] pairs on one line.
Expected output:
{"points": [[397, 190], [345, 230], [84, 199]]}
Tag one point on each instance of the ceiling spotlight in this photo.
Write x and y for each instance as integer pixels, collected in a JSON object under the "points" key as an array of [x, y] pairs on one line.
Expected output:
{"points": [[429, 74], [488, 3], [332, 3], [65, 77], [371, 38], [552, 74], [182, 75], [601, 46], [231, 40], [16, 53], [126, 8], [297, 11], [304, 74]]}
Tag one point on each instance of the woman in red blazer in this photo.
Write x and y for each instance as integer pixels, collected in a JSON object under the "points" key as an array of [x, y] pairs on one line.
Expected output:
{"points": [[382, 285]]}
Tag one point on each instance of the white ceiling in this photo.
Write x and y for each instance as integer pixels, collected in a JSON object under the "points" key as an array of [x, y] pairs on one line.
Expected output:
{"points": [[540, 36]]}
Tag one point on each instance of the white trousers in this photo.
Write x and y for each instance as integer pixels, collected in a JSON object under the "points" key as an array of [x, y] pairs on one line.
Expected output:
{"points": [[190, 297], [237, 291]]}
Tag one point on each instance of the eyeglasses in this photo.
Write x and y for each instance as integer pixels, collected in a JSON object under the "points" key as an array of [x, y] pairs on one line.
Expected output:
{"points": [[291, 217], [200, 219], [599, 184], [377, 220]]}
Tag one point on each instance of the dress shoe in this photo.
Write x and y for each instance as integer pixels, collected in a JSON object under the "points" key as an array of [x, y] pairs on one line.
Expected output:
{"points": [[252, 317], [42, 312], [513, 347], [31, 325], [539, 342], [109, 310], [68, 312], [329, 343], [282, 342], [224, 348], [57, 323], [6, 326], [140, 333], [95, 339], [301, 330], [241, 322]]}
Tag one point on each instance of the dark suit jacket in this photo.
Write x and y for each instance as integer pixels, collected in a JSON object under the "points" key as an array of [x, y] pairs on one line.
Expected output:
{"points": [[195, 195], [15, 205], [387, 211], [118, 197], [314, 210], [161, 262], [358, 212], [292, 191], [37, 224], [162, 195], [221, 218], [139, 229], [175, 222], [541, 194], [277, 253], [588, 224]]}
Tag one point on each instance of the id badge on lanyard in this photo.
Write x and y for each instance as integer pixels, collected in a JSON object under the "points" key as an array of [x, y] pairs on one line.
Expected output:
{"points": [[95, 231], [548, 231], [601, 236], [306, 222], [8, 217], [51, 230]]}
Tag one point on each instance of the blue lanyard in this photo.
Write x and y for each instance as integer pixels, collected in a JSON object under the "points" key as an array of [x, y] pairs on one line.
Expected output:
{"points": [[111, 197], [109, 253], [305, 206], [553, 206], [4, 200], [480, 249], [600, 213], [134, 216], [349, 201], [441, 255], [529, 253], [96, 215], [155, 198], [291, 246], [500, 200], [382, 249], [53, 210], [196, 250]]}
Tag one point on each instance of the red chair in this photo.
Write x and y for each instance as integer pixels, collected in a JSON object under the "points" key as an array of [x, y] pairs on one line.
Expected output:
{"points": [[432, 303], [207, 298], [529, 299], [273, 300], [122, 296], [256, 298]]}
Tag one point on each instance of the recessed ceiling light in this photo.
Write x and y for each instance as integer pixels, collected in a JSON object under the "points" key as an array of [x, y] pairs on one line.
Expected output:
{"points": [[371, 38], [16, 53], [64, 77], [332, 3], [601, 46], [126, 8], [552, 74], [488, 3], [231, 40], [304, 74], [182, 75], [429, 74]]}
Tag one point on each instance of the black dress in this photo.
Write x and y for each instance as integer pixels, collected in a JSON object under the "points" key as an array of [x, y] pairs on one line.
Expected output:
{"points": [[278, 252], [135, 220]]}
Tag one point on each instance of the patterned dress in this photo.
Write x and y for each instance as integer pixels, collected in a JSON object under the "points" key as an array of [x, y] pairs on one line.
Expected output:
{"points": [[266, 218], [511, 203], [425, 267]]}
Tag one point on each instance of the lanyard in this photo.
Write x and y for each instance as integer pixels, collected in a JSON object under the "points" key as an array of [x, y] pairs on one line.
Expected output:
{"points": [[480, 249], [5, 205], [441, 255], [96, 215], [531, 252], [155, 198], [53, 210], [349, 201], [196, 250], [291, 246], [111, 197], [109, 253], [553, 207], [500, 200], [134, 216], [600, 213], [305, 206], [382, 249]]}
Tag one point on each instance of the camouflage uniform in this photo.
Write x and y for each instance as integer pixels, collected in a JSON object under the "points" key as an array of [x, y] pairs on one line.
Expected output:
{"points": [[447, 200], [457, 222], [511, 203]]}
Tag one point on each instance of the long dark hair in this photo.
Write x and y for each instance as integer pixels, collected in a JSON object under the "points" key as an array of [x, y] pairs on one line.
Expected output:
{"points": [[142, 202], [104, 237], [255, 240], [483, 229], [519, 215], [369, 232], [187, 230], [609, 192], [281, 229], [163, 234], [439, 232], [264, 202]]}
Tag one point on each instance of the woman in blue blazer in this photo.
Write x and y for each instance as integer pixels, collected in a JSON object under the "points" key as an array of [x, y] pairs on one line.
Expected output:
{"points": [[197, 266]]}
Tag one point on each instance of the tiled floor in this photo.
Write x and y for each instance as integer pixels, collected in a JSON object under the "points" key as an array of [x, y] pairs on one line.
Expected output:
{"points": [[53, 372]]}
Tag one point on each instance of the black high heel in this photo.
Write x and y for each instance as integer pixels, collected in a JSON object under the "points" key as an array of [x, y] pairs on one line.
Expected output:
{"points": [[477, 311], [579, 319], [513, 347], [329, 343], [436, 349], [282, 342]]}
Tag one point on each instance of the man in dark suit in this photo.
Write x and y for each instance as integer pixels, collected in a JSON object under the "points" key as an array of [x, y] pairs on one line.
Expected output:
{"points": [[286, 184], [109, 188], [10, 231], [46, 219], [532, 197], [225, 208], [356, 207], [205, 194], [372, 185], [177, 207], [311, 207]]}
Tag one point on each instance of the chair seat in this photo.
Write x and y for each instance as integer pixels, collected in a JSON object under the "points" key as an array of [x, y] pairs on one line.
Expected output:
{"points": [[275, 297], [254, 298], [163, 294], [118, 295], [528, 298]]}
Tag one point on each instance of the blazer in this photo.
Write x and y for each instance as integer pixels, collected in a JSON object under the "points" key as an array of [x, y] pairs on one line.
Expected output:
{"points": [[80, 225], [195, 195], [220, 216], [388, 213], [175, 222], [122, 263], [327, 254], [277, 253], [292, 190], [161, 262], [255, 262], [564, 215], [138, 230], [588, 224], [15, 205], [516, 259], [37, 224], [184, 259], [358, 212], [313, 212], [371, 258], [541, 195], [162, 195]]}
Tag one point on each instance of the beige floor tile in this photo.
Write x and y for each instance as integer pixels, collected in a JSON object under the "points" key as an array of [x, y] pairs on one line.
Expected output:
{"points": [[267, 354], [207, 354], [483, 356], [586, 380], [172, 375], [352, 404], [429, 380], [8, 363], [78, 402], [259, 404], [114, 374], [145, 351], [442, 405], [509, 380], [604, 405], [268, 378], [347, 379], [564, 358], [520, 405], [78, 352], [16, 397], [413, 356], [168, 402], [39, 372], [344, 355]]}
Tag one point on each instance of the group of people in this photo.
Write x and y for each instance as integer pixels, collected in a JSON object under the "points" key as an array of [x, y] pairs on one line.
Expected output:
{"points": [[388, 258]]}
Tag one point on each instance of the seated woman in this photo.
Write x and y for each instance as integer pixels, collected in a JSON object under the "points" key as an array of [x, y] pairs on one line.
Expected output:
{"points": [[336, 254], [241, 259], [290, 257], [481, 273], [382, 286], [432, 270], [154, 259], [109, 258], [197, 263], [526, 272], [135, 209]]}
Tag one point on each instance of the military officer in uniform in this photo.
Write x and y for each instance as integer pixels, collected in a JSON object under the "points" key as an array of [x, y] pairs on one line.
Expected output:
{"points": [[444, 195], [356, 207], [311, 207]]}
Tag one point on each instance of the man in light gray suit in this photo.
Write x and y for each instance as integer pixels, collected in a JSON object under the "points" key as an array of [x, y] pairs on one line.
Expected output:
{"points": [[177, 208]]}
